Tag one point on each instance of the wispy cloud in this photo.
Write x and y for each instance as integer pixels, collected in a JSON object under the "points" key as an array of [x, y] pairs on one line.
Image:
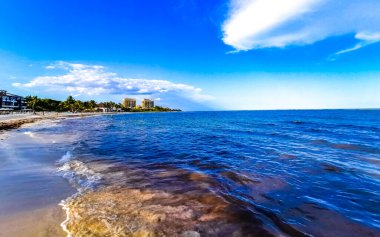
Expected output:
{"points": [[81, 79], [254, 24], [364, 40]]}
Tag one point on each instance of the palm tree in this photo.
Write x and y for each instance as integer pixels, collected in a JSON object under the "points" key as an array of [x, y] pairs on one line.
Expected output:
{"points": [[92, 105], [32, 101], [78, 106], [70, 103]]}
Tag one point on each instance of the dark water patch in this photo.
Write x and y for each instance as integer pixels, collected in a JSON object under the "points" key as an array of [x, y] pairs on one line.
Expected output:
{"points": [[320, 142], [372, 161], [333, 223], [288, 156], [239, 178], [270, 124], [212, 165], [285, 227], [223, 153], [361, 127], [297, 122], [331, 168], [347, 146], [354, 147]]}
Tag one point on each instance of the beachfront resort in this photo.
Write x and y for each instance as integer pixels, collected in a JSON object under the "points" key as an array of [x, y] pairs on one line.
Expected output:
{"points": [[9, 102]]}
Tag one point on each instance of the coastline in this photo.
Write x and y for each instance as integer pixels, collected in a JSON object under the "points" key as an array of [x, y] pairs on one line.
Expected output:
{"points": [[24, 224], [23, 199], [28, 172], [8, 122]]}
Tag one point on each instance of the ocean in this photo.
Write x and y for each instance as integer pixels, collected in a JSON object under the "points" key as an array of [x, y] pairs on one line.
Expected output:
{"points": [[232, 173]]}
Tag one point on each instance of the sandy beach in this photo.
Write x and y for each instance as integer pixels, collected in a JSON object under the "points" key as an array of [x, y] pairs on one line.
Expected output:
{"points": [[31, 189], [43, 222], [16, 120]]}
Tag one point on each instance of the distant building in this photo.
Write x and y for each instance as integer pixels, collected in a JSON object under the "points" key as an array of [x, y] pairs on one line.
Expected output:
{"points": [[108, 110], [11, 102], [103, 109], [147, 103], [129, 103]]}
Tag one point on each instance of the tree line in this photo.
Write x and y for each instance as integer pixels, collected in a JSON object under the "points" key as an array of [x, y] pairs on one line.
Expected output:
{"points": [[72, 105]]}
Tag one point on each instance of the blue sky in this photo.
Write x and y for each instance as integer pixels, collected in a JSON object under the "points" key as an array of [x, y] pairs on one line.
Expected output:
{"points": [[195, 55]]}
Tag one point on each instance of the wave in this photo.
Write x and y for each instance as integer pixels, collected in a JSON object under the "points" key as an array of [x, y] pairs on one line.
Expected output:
{"points": [[65, 158], [79, 175]]}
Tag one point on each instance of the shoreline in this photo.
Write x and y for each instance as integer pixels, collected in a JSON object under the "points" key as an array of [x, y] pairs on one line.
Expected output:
{"points": [[28, 172], [15, 121], [23, 223]]}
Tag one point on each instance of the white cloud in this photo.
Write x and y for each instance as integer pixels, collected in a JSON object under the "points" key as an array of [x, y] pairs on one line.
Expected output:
{"points": [[364, 40], [256, 24], [50, 67], [91, 80]]}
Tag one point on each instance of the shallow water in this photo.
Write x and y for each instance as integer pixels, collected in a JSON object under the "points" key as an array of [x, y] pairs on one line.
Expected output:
{"points": [[30, 187], [247, 173]]}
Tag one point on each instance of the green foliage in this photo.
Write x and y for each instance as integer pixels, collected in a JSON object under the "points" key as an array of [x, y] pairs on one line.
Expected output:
{"points": [[38, 104], [73, 105]]}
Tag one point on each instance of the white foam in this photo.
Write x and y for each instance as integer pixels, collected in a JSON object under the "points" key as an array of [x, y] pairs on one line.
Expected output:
{"points": [[65, 158], [80, 175], [30, 134], [64, 224]]}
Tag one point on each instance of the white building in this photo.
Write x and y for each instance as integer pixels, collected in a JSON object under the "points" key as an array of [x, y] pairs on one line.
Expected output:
{"points": [[129, 103], [11, 102], [147, 104]]}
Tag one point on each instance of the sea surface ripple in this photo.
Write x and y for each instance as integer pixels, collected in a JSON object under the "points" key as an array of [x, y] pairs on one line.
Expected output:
{"points": [[243, 173]]}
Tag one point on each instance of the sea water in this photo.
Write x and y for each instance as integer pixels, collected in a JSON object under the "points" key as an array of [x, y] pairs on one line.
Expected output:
{"points": [[241, 173]]}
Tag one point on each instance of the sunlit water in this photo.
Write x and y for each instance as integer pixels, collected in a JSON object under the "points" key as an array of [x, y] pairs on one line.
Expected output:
{"points": [[254, 173]]}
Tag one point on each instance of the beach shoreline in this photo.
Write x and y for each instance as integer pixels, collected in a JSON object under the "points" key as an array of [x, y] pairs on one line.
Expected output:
{"points": [[24, 224], [8, 122], [26, 178]]}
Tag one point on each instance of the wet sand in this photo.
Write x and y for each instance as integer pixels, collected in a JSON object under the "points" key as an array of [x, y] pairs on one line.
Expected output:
{"points": [[41, 222], [31, 190]]}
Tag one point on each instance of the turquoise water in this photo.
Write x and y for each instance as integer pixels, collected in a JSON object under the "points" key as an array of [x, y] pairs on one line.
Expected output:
{"points": [[260, 173]]}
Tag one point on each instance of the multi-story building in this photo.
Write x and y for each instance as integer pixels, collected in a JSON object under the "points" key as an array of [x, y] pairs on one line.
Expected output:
{"points": [[147, 103], [129, 103], [11, 102]]}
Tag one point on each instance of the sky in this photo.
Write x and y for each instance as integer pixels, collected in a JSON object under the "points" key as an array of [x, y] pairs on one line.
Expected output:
{"points": [[195, 54]]}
